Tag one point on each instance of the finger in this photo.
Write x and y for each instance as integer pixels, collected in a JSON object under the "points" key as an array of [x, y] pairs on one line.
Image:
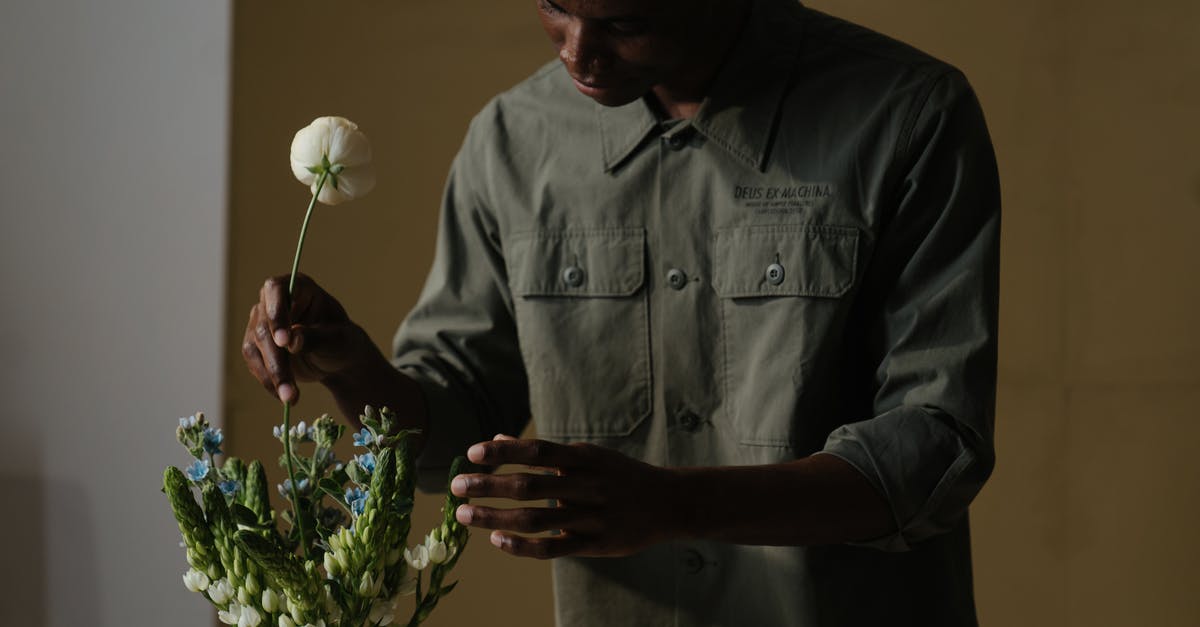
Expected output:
{"points": [[524, 487], [275, 302], [532, 453], [318, 338], [528, 519], [254, 360], [506, 437], [275, 361], [538, 548]]}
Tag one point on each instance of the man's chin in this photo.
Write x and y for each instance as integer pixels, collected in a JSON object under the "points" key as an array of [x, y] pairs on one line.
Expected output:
{"points": [[609, 96]]}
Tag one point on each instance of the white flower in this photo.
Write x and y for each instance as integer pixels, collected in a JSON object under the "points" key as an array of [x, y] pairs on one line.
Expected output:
{"points": [[335, 143], [195, 580], [250, 617], [240, 615], [383, 612], [232, 615], [417, 557], [220, 592], [407, 586], [286, 621]]}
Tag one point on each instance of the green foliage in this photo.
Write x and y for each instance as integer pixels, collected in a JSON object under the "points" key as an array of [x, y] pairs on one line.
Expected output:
{"points": [[355, 572]]}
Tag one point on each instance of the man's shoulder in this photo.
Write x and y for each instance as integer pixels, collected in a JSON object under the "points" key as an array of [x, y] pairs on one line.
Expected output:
{"points": [[837, 43], [546, 97]]}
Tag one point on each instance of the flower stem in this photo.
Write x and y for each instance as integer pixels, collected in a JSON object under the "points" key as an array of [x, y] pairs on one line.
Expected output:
{"points": [[287, 413], [304, 229]]}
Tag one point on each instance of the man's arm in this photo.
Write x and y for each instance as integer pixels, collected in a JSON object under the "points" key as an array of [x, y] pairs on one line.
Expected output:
{"points": [[610, 504]]}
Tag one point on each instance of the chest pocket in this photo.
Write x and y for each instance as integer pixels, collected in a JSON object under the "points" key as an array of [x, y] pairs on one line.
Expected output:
{"points": [[582, 323], [783, 308]]}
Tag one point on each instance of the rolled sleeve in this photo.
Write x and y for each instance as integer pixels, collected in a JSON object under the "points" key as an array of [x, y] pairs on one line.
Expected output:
{"points": [[459, 342], [932, 286]]}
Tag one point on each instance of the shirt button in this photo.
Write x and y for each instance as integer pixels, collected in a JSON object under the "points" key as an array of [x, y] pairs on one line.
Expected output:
{"points": [[689, 421], [775, 274], [573, 276], [677, 141], [692, 562], [677, 279]]}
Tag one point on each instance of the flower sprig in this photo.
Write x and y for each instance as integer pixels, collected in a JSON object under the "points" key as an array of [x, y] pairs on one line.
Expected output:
{"points": [[361, 512]]}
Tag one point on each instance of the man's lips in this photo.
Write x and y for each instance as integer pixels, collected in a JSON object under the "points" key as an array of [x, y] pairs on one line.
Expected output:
{"points": [[591, 84]]}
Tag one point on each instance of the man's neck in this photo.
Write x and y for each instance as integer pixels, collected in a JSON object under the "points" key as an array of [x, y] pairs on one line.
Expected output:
{"points": [[682, 96]]}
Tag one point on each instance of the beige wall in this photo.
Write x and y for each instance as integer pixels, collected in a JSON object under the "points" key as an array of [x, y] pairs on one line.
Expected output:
{"points": [[1090, 516]]}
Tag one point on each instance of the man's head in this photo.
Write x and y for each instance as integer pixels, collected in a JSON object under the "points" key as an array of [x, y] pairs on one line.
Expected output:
{"points": [[617, 50]]}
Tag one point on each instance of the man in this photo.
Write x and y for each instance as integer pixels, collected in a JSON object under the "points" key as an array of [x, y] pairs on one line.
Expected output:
{"points": [[739, 261]]}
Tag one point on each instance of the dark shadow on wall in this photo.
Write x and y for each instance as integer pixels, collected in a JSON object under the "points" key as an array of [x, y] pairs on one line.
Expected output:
{"points": [[23, 527], [49, 543]]}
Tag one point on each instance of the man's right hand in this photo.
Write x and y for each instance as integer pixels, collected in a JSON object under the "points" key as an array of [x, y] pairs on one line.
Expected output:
{"points": [[307, 337]]}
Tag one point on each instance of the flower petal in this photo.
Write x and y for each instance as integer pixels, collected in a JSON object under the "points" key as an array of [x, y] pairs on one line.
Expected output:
{"points": [[347, 145]]}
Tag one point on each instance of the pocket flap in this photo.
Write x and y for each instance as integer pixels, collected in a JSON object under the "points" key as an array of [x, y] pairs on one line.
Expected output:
{"points": [[577, 262], [785, 260]]}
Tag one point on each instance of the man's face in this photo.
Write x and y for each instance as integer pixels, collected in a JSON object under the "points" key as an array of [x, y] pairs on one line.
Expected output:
{"points": [[617, 50]]}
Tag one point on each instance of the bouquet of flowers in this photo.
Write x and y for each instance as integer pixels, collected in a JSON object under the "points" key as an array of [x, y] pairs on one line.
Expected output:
{"points": [[358, 567]]}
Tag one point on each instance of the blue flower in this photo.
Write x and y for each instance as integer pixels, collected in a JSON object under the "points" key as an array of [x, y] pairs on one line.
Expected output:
{"points": [[229, 488], [364, 438], [278, 431], [366, 461], [198, 470], [356, 498], [212, 441], [285, 488], [187, 422]]}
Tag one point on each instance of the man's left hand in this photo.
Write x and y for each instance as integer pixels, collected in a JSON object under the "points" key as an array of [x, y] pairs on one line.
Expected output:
{"points": [[603, 503]]}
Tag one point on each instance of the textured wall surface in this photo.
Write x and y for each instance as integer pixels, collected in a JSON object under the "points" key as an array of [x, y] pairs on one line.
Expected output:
{"points": [[1088, 518], [114, 118]]}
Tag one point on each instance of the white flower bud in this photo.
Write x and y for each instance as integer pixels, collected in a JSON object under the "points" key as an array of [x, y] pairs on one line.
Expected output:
{"points": [[271, 601], [436, 548], [366, 585], [285, 621], [252, 585], [331, 566]]}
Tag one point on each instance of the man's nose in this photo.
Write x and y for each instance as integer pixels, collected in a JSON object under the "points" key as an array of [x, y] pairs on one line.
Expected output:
{"points": [[583, 49]]}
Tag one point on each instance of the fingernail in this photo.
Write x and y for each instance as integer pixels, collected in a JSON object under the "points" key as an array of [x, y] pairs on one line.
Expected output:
{"points": [[497, 539], [281, 338], [475, 453], [459, 486], [287, 393], [463, 514]]}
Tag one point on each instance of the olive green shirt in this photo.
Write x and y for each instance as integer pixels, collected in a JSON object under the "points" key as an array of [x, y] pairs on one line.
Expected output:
{"points": [[809, 265]]}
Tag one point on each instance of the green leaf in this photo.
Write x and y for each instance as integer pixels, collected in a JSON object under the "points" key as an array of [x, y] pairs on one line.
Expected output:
{"points": [[242, 515]]}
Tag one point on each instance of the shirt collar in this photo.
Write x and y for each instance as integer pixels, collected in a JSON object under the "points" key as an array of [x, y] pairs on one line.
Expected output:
{"points": [[740, 113]]}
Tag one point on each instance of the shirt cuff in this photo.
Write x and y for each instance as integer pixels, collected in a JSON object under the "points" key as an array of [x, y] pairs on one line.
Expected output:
{"points": [[452, 429], [919, 465]]}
